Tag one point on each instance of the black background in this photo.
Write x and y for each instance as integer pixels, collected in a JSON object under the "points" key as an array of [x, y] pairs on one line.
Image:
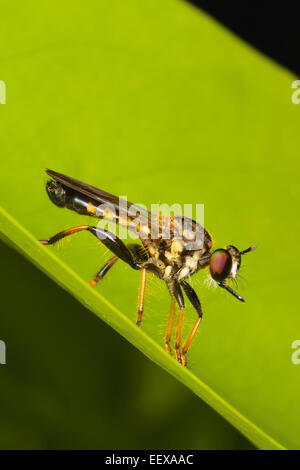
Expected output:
{"points": [[271, 27]]}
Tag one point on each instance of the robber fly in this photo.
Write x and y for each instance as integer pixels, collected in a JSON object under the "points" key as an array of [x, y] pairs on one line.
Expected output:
{"points": [[171, 258]]}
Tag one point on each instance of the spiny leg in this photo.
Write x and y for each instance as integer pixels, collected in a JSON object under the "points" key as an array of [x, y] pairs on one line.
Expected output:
{"points": [[63, 234], [176, 293], [178, 336], [109, 239], [141, 297], [100, 274], [134, 248], [170, 327], [193, 298]]}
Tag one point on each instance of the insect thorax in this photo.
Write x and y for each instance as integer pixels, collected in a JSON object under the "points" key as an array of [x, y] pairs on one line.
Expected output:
{"points": [[177, 258]]}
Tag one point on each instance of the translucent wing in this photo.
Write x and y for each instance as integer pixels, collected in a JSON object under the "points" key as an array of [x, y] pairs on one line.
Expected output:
{"points": [[89, 200]]}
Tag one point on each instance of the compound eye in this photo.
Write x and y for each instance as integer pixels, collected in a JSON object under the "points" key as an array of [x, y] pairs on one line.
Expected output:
{"points": [[220, 265]]}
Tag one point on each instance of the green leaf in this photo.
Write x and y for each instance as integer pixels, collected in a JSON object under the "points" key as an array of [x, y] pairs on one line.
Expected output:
{"points": [[88, 386], [157, 102]]}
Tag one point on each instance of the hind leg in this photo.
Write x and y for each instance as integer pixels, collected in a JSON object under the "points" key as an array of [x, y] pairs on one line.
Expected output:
{"points": [[109, 239]]}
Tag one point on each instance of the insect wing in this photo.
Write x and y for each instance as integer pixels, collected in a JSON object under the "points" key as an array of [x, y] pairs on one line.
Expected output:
{"points": [[129, 215]]}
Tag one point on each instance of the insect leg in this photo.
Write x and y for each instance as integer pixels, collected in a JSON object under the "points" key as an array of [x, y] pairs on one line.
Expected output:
{"points": [[176, 293], [193, 298], [141, 297], [100, 274], [110, 240], [170, 327], [63, 234], [135, 250]]}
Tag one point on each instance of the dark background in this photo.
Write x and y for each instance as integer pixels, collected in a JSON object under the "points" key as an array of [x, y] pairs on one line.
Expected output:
{"points": [[271, 27]]}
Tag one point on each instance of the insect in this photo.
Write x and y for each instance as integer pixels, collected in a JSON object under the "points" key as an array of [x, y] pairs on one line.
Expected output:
{"points": [[170, 254]]}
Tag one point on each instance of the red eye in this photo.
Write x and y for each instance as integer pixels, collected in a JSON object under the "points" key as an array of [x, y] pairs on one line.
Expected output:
{"points": [[220, 265]]}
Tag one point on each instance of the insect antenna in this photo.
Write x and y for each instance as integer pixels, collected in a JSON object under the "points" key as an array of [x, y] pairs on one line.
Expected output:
{"points": [[251, 248]]}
